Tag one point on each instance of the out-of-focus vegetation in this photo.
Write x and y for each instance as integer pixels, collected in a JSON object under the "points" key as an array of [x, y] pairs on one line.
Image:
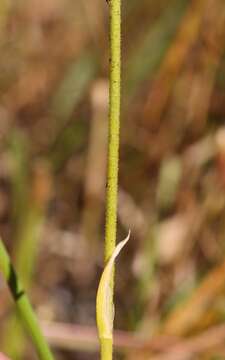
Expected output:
{"points": [[170, 287]]}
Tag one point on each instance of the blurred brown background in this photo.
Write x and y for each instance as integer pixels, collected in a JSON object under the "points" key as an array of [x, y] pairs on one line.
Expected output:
{"points": [[170, 284]]}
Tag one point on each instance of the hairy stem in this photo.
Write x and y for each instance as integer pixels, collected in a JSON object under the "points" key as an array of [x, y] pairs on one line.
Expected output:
{"points": [[113, 152], [114, 128]]}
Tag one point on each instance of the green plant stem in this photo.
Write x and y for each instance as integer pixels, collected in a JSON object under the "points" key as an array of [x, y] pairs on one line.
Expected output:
{"points": [[113, 152], [28, 217], [114, 127], [106, 349], [23, 305]]}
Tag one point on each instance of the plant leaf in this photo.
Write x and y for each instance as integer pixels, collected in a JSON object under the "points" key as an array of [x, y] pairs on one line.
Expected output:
{"points": [[104, 299]]}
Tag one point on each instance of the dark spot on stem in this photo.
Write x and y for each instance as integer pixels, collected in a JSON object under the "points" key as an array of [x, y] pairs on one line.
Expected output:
{"points": [[14, 285]]}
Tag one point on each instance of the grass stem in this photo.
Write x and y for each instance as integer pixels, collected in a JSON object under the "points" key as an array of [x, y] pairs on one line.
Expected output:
{"points": [[106, 343], [23, 306]]}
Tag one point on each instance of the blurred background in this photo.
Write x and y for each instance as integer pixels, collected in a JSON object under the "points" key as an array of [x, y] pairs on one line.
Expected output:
{"points": [[170, 283]]}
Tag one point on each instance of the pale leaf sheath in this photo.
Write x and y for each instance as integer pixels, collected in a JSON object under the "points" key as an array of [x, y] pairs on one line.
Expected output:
{"points": [[104, 295]]}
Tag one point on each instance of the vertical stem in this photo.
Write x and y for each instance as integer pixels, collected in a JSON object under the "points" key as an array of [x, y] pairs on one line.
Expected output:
{"points": [[113, 150], [114, 127], [23, 305], [106, 349]]}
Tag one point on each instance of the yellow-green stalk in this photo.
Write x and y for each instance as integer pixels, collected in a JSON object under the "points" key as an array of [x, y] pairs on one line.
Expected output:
{"points": [[106, 343]]}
